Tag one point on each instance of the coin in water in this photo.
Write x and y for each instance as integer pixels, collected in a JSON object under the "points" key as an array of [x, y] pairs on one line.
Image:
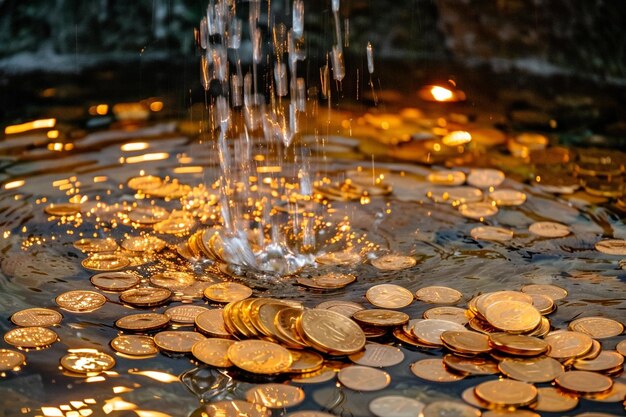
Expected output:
{"points": [[345, 308], [173, 280], [363, 378], [105, 261], [612, 247], [393, 262], [506, 393], [517, 344], [275, 395], [236, 408], [446, 177], [430, 330], [605, 361], [438, 295], [597, 327], [285, 323], [80, 301], [213, 351], [453, 314], [96, 245], [466, 342], [339, 258], [146, 296], [144, 182], [543, 304], [478, 210], [177, 341], [471, 366], [145, 243], [621, 347], [485, 300], [227, 292], [507, 197], [381, 317], [134, 345], [434, 370], [211, 323], [450, 408], [184, 314], [377, 355], [485, 177], [62, 209], [304, 361], [10, 360], [148, 215], [87, 361], [260, 357], [115, 281], [566, 344], [617, 393], [332, 280], [332, 332], [41, 317], [584, 382], [389, 296], [30, 337], [553, 400], [549, 229], [533, 370], [513, 316], [395, 406], [499, 234], [552, 291], [142, 322]]}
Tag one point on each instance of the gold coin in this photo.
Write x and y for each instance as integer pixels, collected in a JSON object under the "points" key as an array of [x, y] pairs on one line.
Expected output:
{"points": [[478, 210], [455, 195], [389, 296], [115, 281], [507, 197], [617, 393], [430, 330], [345, 308], [377, 355], [553, 400], [434, 370], [517, 344], [236, 408], [395, 406], [438, 295], [506, 393], [213, 351], [471, 366], [285, 323], [543, 304], [87, 361], [584, 382], [260, 357], [145, 243], [597, 327], [334, 333], [146, 296], [499, 234], [363, 378], [621, 347], [134, 345], [262, 316], [566, 344], [142, 322], [483, 301], [542, 330], [144, 182], [40, 317], [339, 258], [236, 317], [534, 370], [148, 215], [172, 280], [593, 353], [605, 361], [465, 341], [179, 222], [11, 360], [380, 317], [450, 408], [513, 316], [453, 314], [227, 292], [393, 262], [185, 314], [612, 247], [549, 229], [30, 337], [177, 341], [275, 395], [485, 178], [211, 323], [96, 245], [80, 301], [329, 280], [446, 177], [62, 209], [552, 291], [105, 261], [305, 361]]}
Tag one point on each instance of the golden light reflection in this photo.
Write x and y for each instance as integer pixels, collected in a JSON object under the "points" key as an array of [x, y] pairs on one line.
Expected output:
{"points": [[150, 413], [441, 93], [156, 375], [52, 412], [134, 146], [156, 106], [148, 157], [457, 138], [269, 169], [14, 184], [188, 170], [25, 127], [117, 404], [121, 389], [53, 134]]}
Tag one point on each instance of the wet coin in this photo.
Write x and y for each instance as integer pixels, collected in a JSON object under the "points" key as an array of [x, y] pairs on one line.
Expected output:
{"points": [[471, 366], [105, 261], [553, 400], [597, 327], [177, 341], [378, 356], [517, 344], [461, 195], [446, 177], [148, 215], [513, 316], [552, 291], [330, 331], [345, 308], [543, 304], [363, 378], [185, 314], [395, 406], [507, 197], [584, 382], [62, 209], [466, 342], [146, 296], [616, 394], [621, 347], [478, 210], [87, 361], [115, 281], [534, 370], [605, 361], [145, 243], [485, 178], [593, 353], [430, 330], [393, 262], [144, 182], [332, 280], [213, 351], [339, 258], [438, 295], [211, 323], [41, 317], [305, 361], [134, 345], [96, 245], [549, 229], [499, 234], [178, 222], [324, 374], [142, 322], [482, 302], [453, 314], [285, 323], [260, 357], [30, 337], [236, 408], [450, 408], [567, 344], [173, 280], [380, 317], [389, 296], [11, 360], [612, 247], [275, 395], [506, 393], [80, 301], [227, 292], [434, 370]]}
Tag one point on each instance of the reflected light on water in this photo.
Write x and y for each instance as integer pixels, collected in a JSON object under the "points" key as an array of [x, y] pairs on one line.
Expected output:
{"points": [[441, 93], [25, 127], [156, 375], [134, 146], [117, 404], [14, 184], [148, 157], [150, 413]]}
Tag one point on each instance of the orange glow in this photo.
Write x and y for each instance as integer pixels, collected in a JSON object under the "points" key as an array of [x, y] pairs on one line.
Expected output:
{"points": [[150, 413], [100, 178], [457, 138], [117, 404], [134, 146], [268, 169], [158, 156], [102, 109], [156, 375], [25, 127], [14, 184], [188, 170], [156, 106], [441, 93], [52, 134]]}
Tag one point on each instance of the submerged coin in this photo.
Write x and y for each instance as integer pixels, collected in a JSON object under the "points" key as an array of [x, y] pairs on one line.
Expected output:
{"points": [[499, 234], [331, 332], [507, 197], [177, 341], [275, 395], [471, 366], [430, 331], [450, 408], [134, 345], [534, 370], [446, 177], [87, 361], [227, 292], [146, 296], [213, 351], [506, 393], [434, 370], [453, 314], [381, 317], [553, 400], [96, 245], [260, 357], [184, 314], [438, 295], [612, 247], [145, 243], [584, 382], [30, 337], [236, 408], [389, 296], [148, 215], [478, 210], [105, 261], [616, 394], [377, 355], [549, 229], [517, 344], [345, 308], [305, 361], [80, 301], [485, 178], [513, 316], [41, 317], [597, 327], [465, 341], [395, 406], [142, 322], [552, 291], [393, 262], [173, 280], [115, 281], [363, 378], [339, 258], [11, 360], [144, 182], [621, 347]]}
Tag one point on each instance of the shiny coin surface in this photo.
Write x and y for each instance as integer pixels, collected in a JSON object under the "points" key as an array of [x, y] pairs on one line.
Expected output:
{"points": [[115, 281], [332, 332], [41, 317], [518, 344], [506, 393], [213, 351], [173, 280], [450, 408], [485, 178], [381, 317], [148, 215], [621, 348], [499, 234], [339, 258], [513, 316], [616, 394], [471, 366], [105, 261], [185, 314], [211, 323], [553, 400], [434, 370], [438, 295], [177, 341], [144, 182], [329, 280], [62, 209], [467, 342], [566, 344], [378, 356], [478, 210], [389, 296], [533, 370], [260, 357], [11, 360], [305, 361], [507, 197], [80, 301], [446, 177], [543, 304], [363, 378], [134, 345], [605, 361], [584, 382], [227, 292], [146, 243], [275, 395], [552, 291], [480, 303], [612, 247], [453, 314], [597, 327], [30, 337], [146, 296], [549, 229], [430, 331], [395, 406], [393, 262], [142, 322], [236, 408], [87, 361], [345, 308], [96, 245]]}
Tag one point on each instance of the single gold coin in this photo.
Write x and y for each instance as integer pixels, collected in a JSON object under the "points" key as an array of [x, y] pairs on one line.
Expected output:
{"points": [[330, 280], [434, 370], [507, 197], [543, 304], [499, 234], [36, 317], [517, 344], [553, 400], [594, 352], [612, 247], [430, 331], [96, 245], [395, 406], [184, 314], [513, 316], [566, 344], [62, 209], [331, 332], [134, 345], [142, 322], [471, 366], [483, 301], [621, 347], [446, 177], [549, 229], [146, 296], [449, 408], [173, 280], [80, 301], [380, 317], [339, 258], [389, 296], [453, 314], [305, 361], [552, 291], [11, 360], [227, 292], [584, 382], [363, 378], [455, 195], [485, 177], [438, 295], [378, 356], [597, 327], [30, 337], [470, 397], [145, 243], [115, 281], [211, 323], [177, 341], [179, 222], [87, 361], [345, 308], [506, 393], [105, 261], [260, 357], [533, 370], [478, 210], [213, 351], [285, 323], [466, 342], [275, 395], [236, 408], [605, 361], [393, 262], [148, 215], [616, 394], [144, 182]]}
